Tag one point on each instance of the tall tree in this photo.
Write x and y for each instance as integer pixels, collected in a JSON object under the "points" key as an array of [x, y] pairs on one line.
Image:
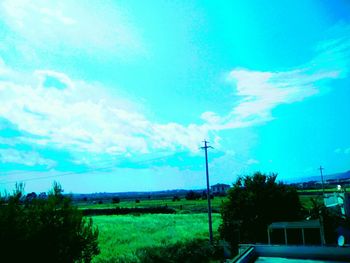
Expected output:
{"points": [[253, 203], [45, 230]]}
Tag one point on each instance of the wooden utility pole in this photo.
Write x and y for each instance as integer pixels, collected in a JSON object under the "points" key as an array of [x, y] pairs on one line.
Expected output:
{"points": [[321, 169], [208, 190]]}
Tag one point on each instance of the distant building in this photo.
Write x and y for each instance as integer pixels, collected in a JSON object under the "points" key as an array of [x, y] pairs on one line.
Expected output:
{"points": [[219, 188]]}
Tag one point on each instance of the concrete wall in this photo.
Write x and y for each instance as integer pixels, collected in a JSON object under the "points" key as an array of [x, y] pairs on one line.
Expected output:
{"points": [[304, 252]]}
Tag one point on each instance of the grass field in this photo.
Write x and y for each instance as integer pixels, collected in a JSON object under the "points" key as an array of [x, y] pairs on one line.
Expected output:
{"points": [[189, 206], [306, 200], [326, 190], [182, 206], [121, 236]]}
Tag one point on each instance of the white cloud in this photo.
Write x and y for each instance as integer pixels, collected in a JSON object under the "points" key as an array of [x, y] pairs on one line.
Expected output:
{"points": [[53, 26], [252, 161], [338, 150], [28, 158], [85, 117], [259, 92], [342, 151]]}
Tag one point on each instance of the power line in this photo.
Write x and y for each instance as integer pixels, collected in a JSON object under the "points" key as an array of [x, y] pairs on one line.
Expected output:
{"points": [[112, 165]]}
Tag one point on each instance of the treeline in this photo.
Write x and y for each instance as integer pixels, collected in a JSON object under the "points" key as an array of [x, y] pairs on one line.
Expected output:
{"points": [[125, 211]]}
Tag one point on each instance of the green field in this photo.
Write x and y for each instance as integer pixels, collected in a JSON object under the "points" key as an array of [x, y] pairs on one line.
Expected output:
{"points": [[182, 206], [121, 236], [187, 206], [306, 200], [326, 190]]}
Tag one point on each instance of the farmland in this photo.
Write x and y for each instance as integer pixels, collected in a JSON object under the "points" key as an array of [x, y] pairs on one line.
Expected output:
{"points": [[182, 206], [122, 236]]}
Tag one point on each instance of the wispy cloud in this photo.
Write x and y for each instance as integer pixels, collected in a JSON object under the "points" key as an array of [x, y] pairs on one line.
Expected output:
{"points": [[29, 158], [54, 26], [252, 161], [260, 92], [342, 150]]}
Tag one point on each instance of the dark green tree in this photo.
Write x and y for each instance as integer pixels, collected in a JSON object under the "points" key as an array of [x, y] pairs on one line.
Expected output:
{"points": [[45, 230], [192, 195], [253, 203]]}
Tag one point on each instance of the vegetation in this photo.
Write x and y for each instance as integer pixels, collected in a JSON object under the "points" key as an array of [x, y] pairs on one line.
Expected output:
{"points": [[192, 195], [253, 203], [176, 198], [115, 200], [125, 211], [181, 205], [45, 230], [130, 238], [194, 251]]}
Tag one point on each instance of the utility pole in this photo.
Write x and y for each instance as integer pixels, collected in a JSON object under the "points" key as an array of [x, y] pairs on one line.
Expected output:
{"points": [[208, 191], [321, 169]]}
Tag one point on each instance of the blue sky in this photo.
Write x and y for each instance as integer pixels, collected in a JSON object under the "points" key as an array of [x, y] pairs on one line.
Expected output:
{"points": [[107, 96]]}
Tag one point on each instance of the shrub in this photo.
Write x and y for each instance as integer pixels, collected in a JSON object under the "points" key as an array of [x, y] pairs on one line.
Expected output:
{"points": [[192, 195], [125, 211], [204, 195], [137, 201], [194, 251], [253, 203], [176, 198], [115, 200], [45, 230]]}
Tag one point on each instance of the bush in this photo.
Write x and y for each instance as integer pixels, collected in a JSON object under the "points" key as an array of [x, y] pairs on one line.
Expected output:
{"points": [[205, 196], [253, 203], [195, 251], [45, 230], [125, 211], [192, 195], [137, 201], [115, 200], [176, 198]]}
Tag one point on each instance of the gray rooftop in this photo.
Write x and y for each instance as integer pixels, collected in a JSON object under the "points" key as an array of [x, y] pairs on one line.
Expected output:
{"points": [[296, 224]]}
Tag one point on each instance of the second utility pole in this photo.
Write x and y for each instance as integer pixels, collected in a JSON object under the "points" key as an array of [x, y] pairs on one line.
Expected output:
{"points": [[321, 169], [208, 191]]}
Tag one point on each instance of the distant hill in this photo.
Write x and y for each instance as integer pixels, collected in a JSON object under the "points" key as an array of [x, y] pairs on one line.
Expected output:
{"points": [[128, 195], [344, 175]]}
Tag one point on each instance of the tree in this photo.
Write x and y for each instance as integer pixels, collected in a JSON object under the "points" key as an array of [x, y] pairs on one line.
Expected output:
{"points": [[192, 195], [45, 230], [253, 203], [116, 200]]}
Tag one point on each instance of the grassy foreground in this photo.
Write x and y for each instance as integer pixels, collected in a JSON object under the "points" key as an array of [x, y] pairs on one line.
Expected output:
{"points": [[121, 236]]}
